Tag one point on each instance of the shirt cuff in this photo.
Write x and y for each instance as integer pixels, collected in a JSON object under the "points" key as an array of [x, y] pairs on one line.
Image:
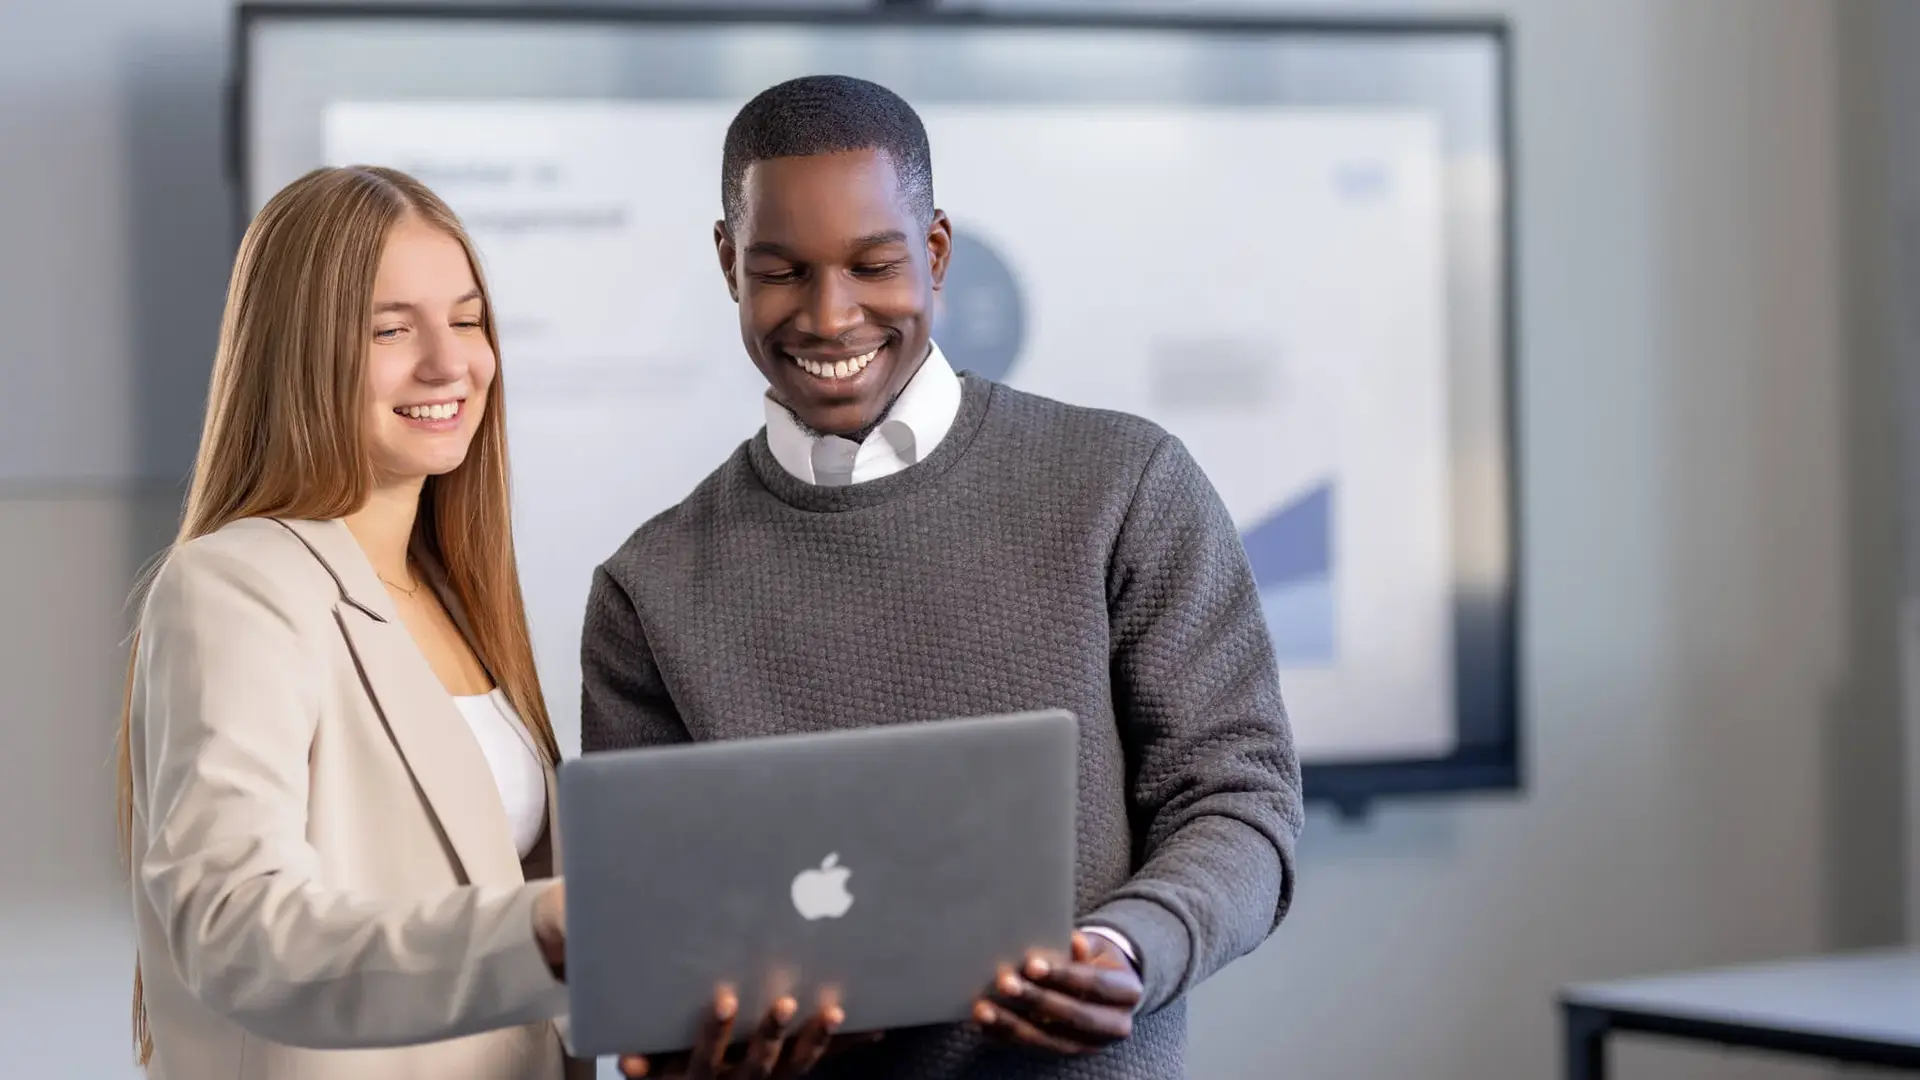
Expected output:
{"points": [[1119, 941]]}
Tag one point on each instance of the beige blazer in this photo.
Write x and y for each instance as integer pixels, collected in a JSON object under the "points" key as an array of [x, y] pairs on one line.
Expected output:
{"points": [[324, 881]]}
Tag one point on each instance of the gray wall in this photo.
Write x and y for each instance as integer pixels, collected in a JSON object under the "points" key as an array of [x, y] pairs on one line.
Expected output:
{"points": [[1895, 250], [1710, 566], [1710, 559]]}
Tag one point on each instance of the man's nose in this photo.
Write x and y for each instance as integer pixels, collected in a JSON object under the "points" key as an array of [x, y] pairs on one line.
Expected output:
{"points": [[831, 309]]}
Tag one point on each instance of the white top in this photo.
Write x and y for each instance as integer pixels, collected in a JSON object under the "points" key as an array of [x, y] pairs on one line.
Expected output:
{"points": [[523, 783], [919, 419], [915, 425], [1867, 995]]}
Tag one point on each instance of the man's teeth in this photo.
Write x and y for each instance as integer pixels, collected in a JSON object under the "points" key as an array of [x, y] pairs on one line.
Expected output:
{"points": [[839, 369], [443, 411]]}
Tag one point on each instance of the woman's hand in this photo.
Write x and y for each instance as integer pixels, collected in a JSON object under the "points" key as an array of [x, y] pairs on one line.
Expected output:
{"points": [[772, 1053], [550, 927]]}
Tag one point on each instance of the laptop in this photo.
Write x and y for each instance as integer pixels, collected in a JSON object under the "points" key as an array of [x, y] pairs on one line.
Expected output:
{"points": [[890, 869]]}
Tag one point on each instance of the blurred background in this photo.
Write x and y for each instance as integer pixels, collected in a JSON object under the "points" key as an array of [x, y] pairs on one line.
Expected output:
{"points": [[1655, 310]]}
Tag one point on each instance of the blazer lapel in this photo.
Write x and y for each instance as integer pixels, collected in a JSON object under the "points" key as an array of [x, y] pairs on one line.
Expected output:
{"points": [[544, 860], [437, 576], [425, 724]]}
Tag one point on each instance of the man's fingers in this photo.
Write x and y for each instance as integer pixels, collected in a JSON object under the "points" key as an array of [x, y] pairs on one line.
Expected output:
{"points": [[1106, 986], [1003, 1022], [770, 1053], [810, 1045], [1086, 1021], [763, 1050], [1050, 958], [806, 1048], [709, 1056]]}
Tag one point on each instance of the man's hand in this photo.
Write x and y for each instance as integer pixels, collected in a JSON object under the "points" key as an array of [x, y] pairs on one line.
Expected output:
{"points": [[772, 1053], [1078, 1004]]}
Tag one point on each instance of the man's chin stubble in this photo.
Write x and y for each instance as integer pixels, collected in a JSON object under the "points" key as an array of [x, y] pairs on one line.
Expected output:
{"points": [[859, 436]]}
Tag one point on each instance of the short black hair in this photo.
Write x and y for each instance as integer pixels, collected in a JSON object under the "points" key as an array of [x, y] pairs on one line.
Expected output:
{"points": [[827, 114]]}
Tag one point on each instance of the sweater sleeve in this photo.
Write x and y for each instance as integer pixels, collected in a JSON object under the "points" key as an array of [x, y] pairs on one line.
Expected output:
{"points": [[1214, 790], [623, 699]]}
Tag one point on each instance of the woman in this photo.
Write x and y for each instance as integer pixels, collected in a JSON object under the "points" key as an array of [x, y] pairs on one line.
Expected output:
{"points": [[337, 768]]}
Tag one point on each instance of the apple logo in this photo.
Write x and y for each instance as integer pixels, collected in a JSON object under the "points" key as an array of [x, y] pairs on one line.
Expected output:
{"points": [[822, 893]]}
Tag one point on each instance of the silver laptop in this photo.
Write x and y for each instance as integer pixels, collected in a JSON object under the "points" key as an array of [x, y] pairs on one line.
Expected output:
{"points": [[891, 869]]}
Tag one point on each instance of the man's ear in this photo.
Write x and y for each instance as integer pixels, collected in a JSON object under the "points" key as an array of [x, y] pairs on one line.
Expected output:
{"points": [[723, 245], [939, 247]]}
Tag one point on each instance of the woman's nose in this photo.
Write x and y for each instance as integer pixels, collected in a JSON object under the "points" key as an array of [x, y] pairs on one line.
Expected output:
{"points": [[441, 359]]}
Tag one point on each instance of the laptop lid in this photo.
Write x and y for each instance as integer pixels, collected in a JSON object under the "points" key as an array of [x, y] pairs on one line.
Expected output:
{"points": [[889, 869]]}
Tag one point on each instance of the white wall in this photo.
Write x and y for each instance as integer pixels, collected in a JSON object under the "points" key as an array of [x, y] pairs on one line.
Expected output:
{"points": [[1711, 760]]}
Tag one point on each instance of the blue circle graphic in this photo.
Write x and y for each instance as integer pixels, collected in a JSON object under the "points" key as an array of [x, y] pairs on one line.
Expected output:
{"points": [[980, 316]]}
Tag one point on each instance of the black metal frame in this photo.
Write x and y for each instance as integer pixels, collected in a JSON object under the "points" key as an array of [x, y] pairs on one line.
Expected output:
{"points": [[1586, 1027], [1348, 788]]}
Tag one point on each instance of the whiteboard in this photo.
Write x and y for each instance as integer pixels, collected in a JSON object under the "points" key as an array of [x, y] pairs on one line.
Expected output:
{"points": [[1300, 354]]}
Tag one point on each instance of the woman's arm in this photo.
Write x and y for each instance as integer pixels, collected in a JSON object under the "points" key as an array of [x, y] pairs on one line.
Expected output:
{"points": [[226, 705]]}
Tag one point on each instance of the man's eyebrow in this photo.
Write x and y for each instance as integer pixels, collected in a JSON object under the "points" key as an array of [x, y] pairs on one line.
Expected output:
{"points": [[874, 240], [858, 244], [402, 305]]}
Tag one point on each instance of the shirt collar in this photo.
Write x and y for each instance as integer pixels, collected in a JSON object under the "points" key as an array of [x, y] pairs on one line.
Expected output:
{"points": [[919, 419]]}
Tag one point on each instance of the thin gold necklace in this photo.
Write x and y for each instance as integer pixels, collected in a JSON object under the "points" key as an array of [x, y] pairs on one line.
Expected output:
{"points": [[402, 588]]}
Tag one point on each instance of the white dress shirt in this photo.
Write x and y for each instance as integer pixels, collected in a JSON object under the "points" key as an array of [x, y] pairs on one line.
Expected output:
{"points": [[522, 782], [911, 429], [919, 419]]}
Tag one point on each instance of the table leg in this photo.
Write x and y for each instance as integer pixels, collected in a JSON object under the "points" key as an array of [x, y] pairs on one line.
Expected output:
{"points": [[1586, 1035]]}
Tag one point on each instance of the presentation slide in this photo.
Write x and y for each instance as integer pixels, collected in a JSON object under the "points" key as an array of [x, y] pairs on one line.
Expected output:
{"points": [[1265, 282]]}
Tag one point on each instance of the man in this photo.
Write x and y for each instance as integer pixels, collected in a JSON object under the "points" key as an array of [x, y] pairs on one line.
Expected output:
{"points": [[902, 544]]}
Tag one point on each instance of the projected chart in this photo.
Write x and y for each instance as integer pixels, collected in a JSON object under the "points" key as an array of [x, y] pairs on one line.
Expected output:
{"points": [[1264, 282]]}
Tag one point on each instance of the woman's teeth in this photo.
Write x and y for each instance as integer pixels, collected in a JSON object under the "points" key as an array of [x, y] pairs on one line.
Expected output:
{"points": [[838, 369], [446, 410]]}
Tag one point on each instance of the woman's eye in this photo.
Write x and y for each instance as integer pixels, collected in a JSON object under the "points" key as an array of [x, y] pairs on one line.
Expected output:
{"points": [[388, 334]]}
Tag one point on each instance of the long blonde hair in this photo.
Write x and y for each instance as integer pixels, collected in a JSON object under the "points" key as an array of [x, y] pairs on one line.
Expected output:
{"points": [[286, 416]]}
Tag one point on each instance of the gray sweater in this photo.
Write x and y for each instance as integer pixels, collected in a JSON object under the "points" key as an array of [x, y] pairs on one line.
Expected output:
{"points": [[1043, 556]]}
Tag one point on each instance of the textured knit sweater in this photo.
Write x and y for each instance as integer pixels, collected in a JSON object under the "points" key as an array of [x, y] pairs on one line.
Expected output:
{"points": [[1043, 556]]}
